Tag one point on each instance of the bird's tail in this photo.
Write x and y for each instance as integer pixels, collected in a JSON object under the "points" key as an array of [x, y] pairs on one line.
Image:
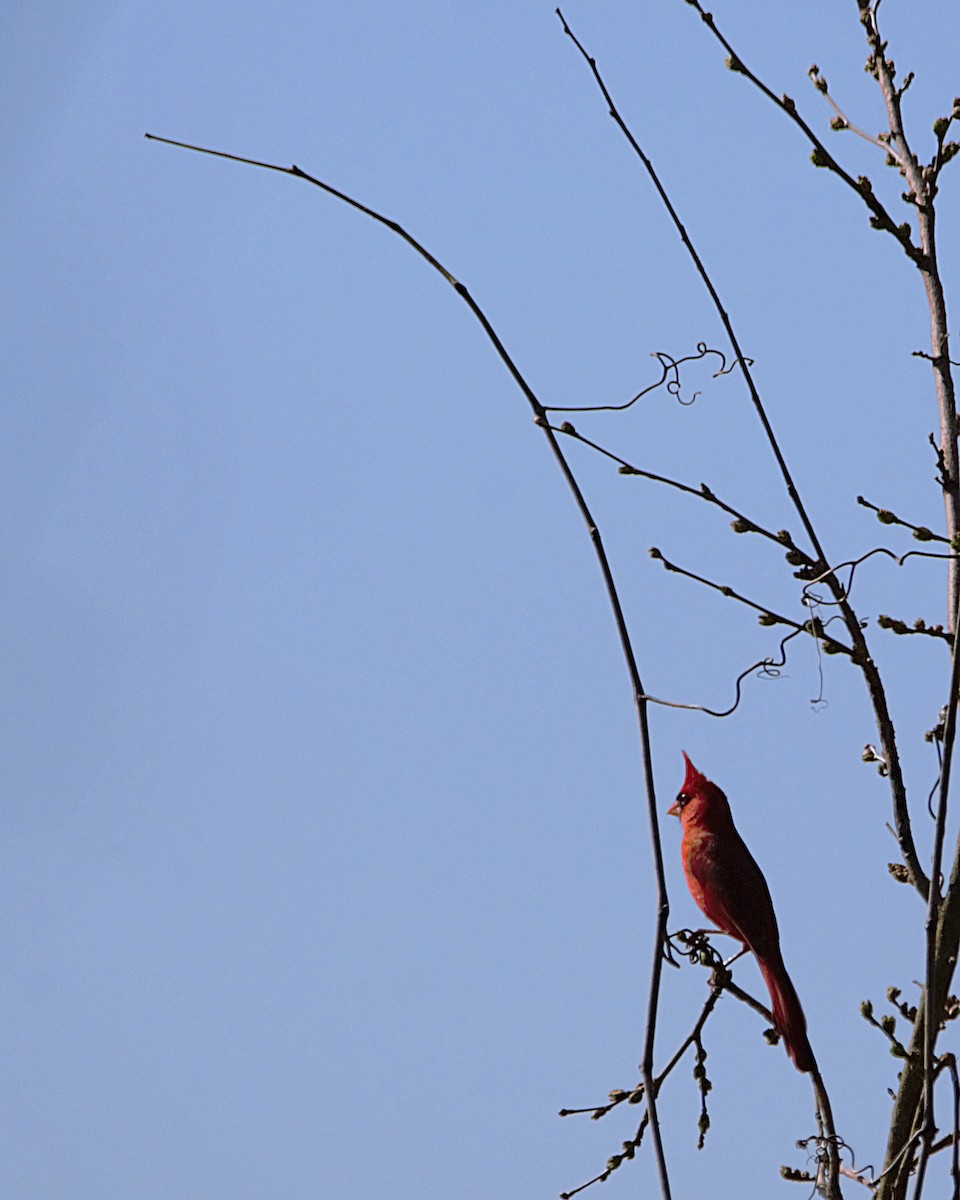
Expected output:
{"points": [[787, 1013]]}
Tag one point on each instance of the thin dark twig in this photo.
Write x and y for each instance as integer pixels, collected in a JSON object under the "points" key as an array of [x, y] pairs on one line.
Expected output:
{"points": [[716, 988], [663, 904], [751, 1002], [593, 1109], [814, 626], [932, 358], [742, 523], [861, 652], [918, 629], [886, 517], [945, 1143], [604, 1175]]}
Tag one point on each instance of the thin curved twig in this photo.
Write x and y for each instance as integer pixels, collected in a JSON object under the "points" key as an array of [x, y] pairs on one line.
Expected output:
{"points": [[766, 668], [853, 563], [540, 418], [670, 368]]}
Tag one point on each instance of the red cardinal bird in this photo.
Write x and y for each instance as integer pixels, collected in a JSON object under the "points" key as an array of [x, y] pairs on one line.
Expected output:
{"points": [[731, 891]]}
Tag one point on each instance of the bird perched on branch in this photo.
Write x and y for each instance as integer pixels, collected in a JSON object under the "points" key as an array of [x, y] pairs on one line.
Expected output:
{"points": [[730, 890]]}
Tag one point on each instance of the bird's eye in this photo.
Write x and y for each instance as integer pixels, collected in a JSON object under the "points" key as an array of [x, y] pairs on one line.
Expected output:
{"points": [[682, 799]]}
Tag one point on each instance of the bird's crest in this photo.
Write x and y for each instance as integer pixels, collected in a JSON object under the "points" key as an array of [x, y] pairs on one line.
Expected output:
{"points": [[694, 778]]}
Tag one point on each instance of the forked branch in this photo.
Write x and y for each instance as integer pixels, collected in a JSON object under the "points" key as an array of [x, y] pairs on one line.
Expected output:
{"points": [[860, 651]]}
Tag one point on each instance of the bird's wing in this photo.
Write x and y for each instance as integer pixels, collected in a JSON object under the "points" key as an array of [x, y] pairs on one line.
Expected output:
{"points": [[734, 892]]}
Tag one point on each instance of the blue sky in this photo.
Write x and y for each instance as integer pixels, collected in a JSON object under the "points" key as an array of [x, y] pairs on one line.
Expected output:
{"points": [[325, 855]]}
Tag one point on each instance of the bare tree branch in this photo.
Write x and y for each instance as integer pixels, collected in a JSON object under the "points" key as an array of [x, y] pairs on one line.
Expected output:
{"points": [[913, 1132], [921, 182], [860, 652], [821, 157]]}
